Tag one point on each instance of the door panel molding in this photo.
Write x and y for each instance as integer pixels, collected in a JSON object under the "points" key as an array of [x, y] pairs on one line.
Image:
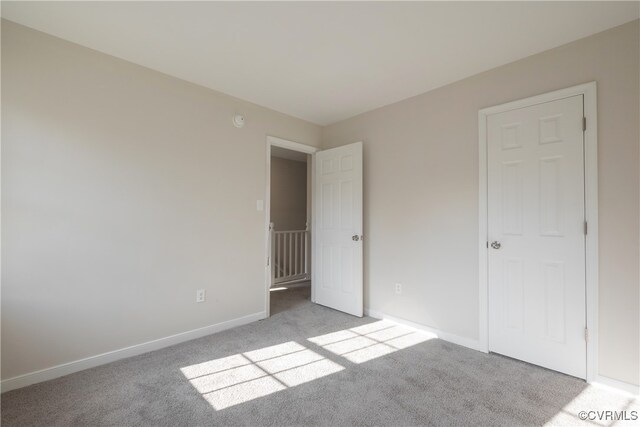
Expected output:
{"points": [[589, 92]]}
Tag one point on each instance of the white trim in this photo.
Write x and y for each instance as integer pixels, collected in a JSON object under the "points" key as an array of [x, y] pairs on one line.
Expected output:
{"points": [[111, 356], [273, 141], [606, 382], [291, 145], [483, 216], [589, 91], [312, 259], [592, 256], [455, 339]]}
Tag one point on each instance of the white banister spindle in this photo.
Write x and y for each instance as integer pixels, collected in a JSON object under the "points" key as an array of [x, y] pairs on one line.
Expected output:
{"points": [[285, 257], [290, 249], [303, 245], [272, 251], [279, 255], [307, 251], [290, 256], [295, 254]]}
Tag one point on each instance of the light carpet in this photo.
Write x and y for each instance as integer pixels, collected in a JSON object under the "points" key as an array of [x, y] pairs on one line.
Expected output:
{"points": [[310, 365]]}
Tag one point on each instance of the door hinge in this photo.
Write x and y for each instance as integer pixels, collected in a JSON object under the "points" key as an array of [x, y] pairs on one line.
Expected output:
{"points": [[586, 334], [268, 261], [584, 124], [585, 228]]}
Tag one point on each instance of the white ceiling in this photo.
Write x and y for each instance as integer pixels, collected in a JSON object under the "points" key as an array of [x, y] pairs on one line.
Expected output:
{"points": [[321, 61]]}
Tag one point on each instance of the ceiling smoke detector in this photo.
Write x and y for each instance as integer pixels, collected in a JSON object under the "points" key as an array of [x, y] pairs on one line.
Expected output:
{"points": [[238, 121]]}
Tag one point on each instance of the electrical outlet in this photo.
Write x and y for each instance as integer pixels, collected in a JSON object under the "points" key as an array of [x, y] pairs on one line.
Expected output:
{"points": [[398, 288], [200, 295]]}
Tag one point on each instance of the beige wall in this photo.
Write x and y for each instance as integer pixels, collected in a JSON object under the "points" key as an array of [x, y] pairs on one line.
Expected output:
{"points": [[123, 191], [288, 194], [421, 190]]}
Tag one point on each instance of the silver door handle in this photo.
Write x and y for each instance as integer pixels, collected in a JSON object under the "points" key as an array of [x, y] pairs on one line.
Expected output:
{"points": [[495, 245]]}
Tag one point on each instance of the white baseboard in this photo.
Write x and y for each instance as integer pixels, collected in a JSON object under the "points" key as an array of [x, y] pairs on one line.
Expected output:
{"points": [[111, 356], [455, 339], [607, 382]]}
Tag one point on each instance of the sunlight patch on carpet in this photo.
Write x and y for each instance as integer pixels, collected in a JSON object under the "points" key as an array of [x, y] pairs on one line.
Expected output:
{"points": [[599, 405], [236, 379], [370, 341]]}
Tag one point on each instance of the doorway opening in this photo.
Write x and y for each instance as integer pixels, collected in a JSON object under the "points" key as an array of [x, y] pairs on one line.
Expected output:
{"points": [[328, 251], [290, 234], [289, 225]]}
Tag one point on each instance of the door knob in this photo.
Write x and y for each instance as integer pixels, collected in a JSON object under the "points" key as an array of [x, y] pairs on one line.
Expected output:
{"points": [[495, 245], [355, 237]]}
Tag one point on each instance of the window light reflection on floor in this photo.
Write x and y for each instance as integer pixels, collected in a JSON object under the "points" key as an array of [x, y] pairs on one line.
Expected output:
{"points": [[240, 378], [370, 341]]}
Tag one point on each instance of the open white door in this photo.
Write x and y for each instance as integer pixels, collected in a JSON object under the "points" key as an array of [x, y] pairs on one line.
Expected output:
{"points": [[337, 230]]}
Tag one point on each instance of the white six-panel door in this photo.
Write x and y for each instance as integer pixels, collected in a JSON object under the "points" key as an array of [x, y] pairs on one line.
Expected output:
{"points": [[536, 270], [337, 230]]}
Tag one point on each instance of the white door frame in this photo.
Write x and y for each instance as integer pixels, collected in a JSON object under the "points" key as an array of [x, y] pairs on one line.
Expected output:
{"points": [[273, 141], [588, 90]]}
